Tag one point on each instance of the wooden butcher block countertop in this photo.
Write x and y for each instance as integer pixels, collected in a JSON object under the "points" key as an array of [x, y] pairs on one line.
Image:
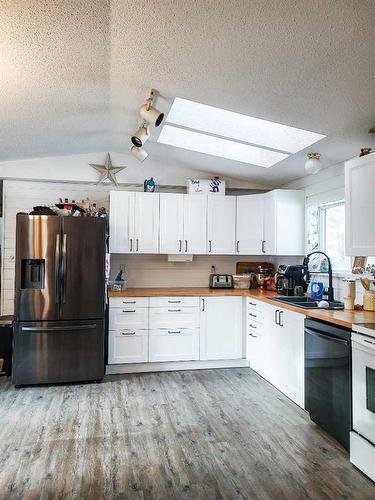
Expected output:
{"points": [[342, 318]]}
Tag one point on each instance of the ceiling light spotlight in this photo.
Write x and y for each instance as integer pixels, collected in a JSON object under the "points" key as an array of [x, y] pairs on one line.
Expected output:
{"points": [[149, 113], [313, 164], [141, 135], [139, 153]]}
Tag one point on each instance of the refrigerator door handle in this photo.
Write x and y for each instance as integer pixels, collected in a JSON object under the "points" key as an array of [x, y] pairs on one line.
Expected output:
{"points": [[57, 328], [63, 270], [57, 267]]}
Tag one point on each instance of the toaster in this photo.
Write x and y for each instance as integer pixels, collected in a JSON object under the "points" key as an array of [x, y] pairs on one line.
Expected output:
{"points": [[221, 281]]}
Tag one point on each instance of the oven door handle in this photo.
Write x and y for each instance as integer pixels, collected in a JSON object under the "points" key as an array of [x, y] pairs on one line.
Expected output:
{"points": [[330, 338]]}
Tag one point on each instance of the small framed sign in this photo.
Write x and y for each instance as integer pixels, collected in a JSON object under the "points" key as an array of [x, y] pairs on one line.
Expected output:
{"points": [[359, 265]]}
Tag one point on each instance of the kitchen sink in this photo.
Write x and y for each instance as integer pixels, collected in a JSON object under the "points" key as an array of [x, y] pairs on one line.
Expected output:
{"points": [[307, 303]]}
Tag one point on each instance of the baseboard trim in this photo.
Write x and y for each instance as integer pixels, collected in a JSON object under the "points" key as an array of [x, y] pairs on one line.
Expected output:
{"points": [[176, 366]]}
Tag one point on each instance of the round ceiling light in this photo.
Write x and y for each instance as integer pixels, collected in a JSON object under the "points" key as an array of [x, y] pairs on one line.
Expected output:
{"points": [[313, 165]]}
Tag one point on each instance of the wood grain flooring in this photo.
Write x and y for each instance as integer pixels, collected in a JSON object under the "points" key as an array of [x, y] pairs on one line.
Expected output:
{"points": [[210, 434]]}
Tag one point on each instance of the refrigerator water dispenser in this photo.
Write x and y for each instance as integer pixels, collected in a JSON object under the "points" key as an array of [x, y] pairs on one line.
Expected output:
{"points": [[32, 273]]}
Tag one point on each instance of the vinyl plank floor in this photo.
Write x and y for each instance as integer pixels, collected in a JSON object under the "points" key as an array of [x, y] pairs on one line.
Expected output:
{"points": [[210, 434]]}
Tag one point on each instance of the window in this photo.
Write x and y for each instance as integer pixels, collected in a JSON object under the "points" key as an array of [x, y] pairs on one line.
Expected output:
{"points": [[326, 232]]}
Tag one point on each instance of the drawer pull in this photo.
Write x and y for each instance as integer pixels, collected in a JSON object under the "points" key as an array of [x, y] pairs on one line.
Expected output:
{"points": [[129, 311], [129, 302], [252, 326], [174, 301], [174, 310], [253, 315], [254, 336], [174, 331], [252, 303], [127, 333]]}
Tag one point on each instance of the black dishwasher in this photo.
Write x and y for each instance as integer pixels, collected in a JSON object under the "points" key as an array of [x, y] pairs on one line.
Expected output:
{"points": [[328, 378]]}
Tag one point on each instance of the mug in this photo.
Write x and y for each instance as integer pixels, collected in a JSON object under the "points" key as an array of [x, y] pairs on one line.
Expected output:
{"points": [[317, 290]]}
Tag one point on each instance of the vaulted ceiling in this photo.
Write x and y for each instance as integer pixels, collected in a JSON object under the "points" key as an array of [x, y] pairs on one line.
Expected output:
{"points": [[74, 73]]}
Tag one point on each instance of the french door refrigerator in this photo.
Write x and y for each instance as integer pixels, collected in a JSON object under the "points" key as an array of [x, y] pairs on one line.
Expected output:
{"points": [[59, 299]]}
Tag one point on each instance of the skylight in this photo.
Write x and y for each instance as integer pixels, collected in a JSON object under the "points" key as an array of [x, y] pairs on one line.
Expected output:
{"points": [[217, 146], [239, 127]]}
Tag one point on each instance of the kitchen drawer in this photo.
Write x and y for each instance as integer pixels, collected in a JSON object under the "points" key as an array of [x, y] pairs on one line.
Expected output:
{"points": [[174, 344], [166, 317], [128, 302], [127, 345], [174, 301], [128, 317]]}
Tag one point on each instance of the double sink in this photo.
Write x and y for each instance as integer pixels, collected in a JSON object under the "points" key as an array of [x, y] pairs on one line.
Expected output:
{"points": [[306, 303]]}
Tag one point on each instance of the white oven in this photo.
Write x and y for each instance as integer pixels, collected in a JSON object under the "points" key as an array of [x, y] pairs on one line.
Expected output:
{"points": [[362, 439]]}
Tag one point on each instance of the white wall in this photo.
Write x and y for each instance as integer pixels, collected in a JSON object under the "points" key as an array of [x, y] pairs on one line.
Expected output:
{"points": [[76, 168]]}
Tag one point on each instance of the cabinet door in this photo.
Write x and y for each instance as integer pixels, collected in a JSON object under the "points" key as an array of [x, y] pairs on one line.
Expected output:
{"points": [[290, 221], [359, 206], [221, 224], [249, 228], [221, 328], [171, 223], [121, 221], [174, 344], [293, 356], [146, 223], [269, 245], [127, 346], [195, 224], [284, 222]]}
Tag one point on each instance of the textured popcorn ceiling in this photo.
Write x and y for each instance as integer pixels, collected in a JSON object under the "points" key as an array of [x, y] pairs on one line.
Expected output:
{"points": [[73, 73]]}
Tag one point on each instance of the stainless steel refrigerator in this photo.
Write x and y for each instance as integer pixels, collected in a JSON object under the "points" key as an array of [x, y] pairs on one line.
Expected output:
{"points": [[59, 299]]}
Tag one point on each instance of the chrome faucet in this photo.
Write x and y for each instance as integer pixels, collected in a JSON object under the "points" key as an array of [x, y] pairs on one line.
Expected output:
{"points": [[307, 272]]}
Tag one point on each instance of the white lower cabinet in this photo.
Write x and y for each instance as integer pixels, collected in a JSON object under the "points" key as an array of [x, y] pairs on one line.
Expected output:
{"points": [[275, 348], [221, 328], [127, 346], [174, 344]]}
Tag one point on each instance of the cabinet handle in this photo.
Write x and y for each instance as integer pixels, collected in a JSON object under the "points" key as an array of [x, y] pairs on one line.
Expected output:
{"points": [[174, 310], [237, 246], [137, 244], [127, 333], [129, 311], [131, 244], [276, 312], [203, 305], [209, 246], [252, 326], [174, 301], [185, 245], [174, 331], [252, 303], [254, 336], [263, 246], [281, 318], [253, 315], [180, 241], [129, 302]]}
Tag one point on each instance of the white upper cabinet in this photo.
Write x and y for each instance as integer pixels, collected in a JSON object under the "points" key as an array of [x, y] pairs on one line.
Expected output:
{"points": [[134, 222], [359, 205], [269, 224], [146, 223], [121, 221], [171, 223], [195, 224], [284, 222], [249, 230], [221, 224]]}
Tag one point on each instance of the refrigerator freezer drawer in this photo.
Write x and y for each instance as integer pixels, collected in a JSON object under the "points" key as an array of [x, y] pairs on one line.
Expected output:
{"points": [[58, 351]]}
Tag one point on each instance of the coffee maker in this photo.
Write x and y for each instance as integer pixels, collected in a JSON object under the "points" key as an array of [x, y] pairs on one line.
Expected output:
{"points": [[288, 278]]}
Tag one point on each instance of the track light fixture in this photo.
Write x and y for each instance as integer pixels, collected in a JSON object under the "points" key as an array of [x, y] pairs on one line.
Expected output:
{"points": [[149, 113], [141, 135], [139, 153]]}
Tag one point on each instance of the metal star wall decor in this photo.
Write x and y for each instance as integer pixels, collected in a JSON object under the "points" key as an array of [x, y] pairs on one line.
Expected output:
{"points": [[107, 171]]}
